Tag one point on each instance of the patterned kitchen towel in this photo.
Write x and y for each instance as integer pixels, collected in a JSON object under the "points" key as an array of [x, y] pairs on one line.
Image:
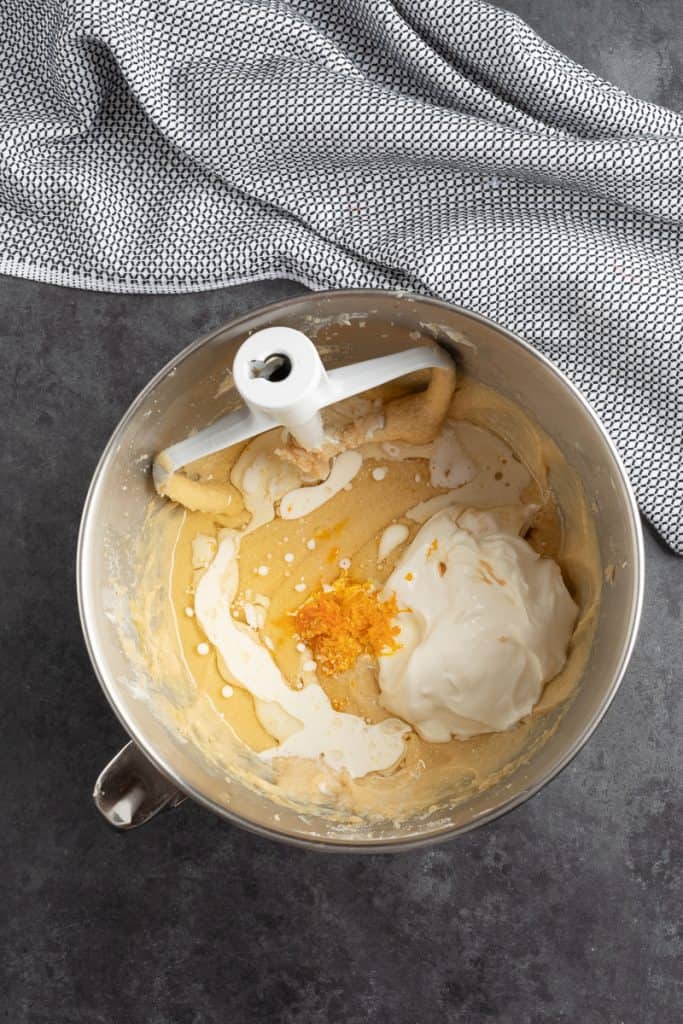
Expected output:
{"points": [[434, 145]]}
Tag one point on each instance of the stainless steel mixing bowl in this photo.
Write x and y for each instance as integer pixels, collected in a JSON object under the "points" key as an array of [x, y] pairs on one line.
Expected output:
{"points": [[156, 770]]}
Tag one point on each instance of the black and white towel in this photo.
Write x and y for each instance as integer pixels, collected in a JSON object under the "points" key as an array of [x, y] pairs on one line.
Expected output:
{"points": [[434, 145]]}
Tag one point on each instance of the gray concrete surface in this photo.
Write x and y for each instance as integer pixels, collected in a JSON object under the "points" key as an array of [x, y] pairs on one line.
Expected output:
{"points": [[566, 910]]}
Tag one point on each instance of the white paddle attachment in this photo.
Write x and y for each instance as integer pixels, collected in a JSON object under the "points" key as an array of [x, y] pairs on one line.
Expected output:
{"points": [[283, 383]]}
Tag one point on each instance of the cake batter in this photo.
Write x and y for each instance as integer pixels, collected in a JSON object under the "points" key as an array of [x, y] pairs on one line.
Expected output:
{"points": [[291, 637]]}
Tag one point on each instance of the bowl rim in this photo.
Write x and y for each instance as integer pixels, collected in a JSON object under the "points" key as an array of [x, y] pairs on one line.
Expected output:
{"points": [[338, 843]]}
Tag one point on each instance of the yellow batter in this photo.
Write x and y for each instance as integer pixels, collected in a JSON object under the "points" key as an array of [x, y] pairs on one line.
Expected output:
{"points": [[284, 561]]}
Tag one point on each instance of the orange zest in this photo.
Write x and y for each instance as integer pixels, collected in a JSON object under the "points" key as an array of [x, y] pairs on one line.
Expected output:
{"points": [[346, 621]]}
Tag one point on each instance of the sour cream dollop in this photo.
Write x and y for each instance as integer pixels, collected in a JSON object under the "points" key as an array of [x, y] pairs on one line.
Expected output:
{"points": [[487, 625]]}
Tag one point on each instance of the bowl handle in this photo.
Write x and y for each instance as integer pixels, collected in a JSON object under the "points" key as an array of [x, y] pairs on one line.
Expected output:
{"points": [[130, 791]]}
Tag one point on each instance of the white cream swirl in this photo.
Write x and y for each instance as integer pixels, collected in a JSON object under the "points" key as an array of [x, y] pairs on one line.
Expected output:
{"points": [[304, 720]]}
